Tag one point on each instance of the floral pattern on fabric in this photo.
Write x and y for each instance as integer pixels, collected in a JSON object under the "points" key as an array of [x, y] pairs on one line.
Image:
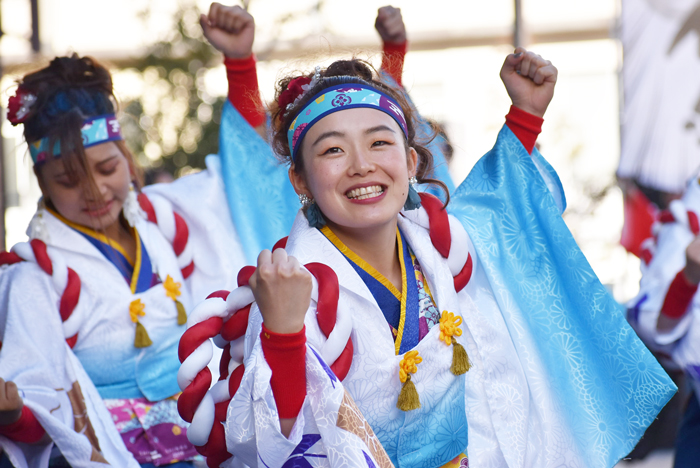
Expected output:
{"points": [[428, 313], [152, 432]]}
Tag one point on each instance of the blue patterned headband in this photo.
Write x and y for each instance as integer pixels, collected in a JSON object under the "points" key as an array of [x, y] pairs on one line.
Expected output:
{"points": [[337, 98], [95, 130]]}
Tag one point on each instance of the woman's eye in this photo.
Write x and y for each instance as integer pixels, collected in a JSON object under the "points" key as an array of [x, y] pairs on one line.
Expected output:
{"points": [[333, 150], [108, 170], [67, 183], [380, 143]]}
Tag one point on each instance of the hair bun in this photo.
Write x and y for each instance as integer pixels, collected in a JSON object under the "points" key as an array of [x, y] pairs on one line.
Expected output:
{"points": [[84, 72], [356, 68]]}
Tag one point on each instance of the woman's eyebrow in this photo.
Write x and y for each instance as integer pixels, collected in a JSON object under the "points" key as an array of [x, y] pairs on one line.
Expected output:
{"points": [[379, 128], [323, 136], [110, 158]]}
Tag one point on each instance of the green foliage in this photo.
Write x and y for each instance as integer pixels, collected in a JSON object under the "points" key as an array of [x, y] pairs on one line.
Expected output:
{"points": [[174, 124]]}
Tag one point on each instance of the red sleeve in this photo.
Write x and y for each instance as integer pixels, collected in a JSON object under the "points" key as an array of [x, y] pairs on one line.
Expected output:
{"points": [[526, 126], [678, 297], [286, 356], [392, 59], [243, 91], [26, 429]]}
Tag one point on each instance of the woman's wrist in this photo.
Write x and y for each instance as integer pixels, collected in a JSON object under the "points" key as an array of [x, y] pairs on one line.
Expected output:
{"points": [[10, 416]]}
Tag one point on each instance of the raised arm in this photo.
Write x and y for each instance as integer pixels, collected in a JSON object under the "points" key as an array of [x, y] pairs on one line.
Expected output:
{"points": [[231, 30], [391, 28]]}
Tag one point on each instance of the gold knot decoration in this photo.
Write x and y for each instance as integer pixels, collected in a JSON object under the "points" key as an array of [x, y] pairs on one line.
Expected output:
{"points": [[449, 328], [138, 309], [408, 398], [172, 290]]}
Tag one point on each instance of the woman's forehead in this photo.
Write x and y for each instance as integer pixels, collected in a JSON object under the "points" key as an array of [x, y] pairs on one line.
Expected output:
{"points": [[353, 121]]}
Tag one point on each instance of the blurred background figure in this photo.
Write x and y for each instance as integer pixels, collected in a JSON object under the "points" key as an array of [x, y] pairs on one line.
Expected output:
{"points": [[660, 132], [660, 146]]}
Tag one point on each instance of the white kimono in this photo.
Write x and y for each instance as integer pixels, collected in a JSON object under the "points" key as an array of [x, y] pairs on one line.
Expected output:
{"points": [[682, 343], [36, 357]]}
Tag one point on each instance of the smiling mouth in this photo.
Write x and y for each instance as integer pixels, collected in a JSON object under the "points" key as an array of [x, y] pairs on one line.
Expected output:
{"points": [[364, 193], [99, 211]]}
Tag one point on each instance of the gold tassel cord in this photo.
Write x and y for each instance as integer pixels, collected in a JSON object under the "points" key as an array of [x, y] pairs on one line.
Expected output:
{"points": [[181, 314], [142, 340], [460, 360], [408, 398]]}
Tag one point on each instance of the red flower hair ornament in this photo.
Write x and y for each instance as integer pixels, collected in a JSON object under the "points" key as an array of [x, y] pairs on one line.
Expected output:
{"points": [[296, 89], [19, 106]]}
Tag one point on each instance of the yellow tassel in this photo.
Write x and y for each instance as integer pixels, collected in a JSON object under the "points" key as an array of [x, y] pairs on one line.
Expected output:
{"points": [[460, 360], [181, 314], [142, 340], [408, 398]]}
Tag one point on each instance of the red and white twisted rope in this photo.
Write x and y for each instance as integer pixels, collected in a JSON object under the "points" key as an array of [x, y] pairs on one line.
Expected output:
{"points": [[65, 280], [174, 228], [226, 321]]}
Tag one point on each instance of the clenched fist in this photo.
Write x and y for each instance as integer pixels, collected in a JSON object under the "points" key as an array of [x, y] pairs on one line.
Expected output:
{"points": [[282, 290], [231, 30], [529, 80]]}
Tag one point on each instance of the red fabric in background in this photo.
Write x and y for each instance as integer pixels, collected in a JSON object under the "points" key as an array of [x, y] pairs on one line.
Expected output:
{"points": [[640, 215]]}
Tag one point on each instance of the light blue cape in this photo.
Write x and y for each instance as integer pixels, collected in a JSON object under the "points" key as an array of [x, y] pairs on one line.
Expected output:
{"points": [[609, 385]]}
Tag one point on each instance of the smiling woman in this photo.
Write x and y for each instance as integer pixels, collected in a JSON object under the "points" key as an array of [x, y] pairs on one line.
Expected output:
{"points": [[411, 336]]}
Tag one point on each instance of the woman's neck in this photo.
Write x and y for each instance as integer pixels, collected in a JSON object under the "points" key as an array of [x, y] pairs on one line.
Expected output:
{"points": [[376, 246], [122, 235]]}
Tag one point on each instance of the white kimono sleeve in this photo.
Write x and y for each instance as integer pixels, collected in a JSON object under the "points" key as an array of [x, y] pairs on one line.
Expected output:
{"points": [[329, 431], [51, 380]]}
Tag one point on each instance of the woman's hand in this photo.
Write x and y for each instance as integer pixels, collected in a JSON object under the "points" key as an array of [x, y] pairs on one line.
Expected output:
{"points": [[10, 403], [390, 25], [529, 80], [231, 30], [282, 290]]}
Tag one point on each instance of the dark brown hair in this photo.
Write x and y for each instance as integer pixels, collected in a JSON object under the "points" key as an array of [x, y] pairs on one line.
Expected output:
{"points": [[69, 91], [348, 72]]}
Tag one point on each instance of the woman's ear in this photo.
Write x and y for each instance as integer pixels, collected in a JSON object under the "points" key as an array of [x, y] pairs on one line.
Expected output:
{"points": [[412, 158], [298, 181]]}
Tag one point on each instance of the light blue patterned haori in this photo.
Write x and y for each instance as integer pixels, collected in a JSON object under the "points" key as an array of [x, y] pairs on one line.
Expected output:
{"points": [[608, 384], [262, 212]]}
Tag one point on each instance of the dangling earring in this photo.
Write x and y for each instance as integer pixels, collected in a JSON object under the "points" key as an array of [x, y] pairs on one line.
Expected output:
{"points": [[131, 209], [312, 211], [413, 199], [37, 226]]}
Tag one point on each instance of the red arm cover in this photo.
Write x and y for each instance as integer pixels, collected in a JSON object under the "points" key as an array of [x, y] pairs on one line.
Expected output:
{"points": [[243, 91], [525, 126], [392, 59], [26, 429], [286, 356], [678, 297]]}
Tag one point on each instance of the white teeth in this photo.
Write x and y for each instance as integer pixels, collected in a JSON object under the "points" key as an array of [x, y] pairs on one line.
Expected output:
{"points": [[365, 192]]}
